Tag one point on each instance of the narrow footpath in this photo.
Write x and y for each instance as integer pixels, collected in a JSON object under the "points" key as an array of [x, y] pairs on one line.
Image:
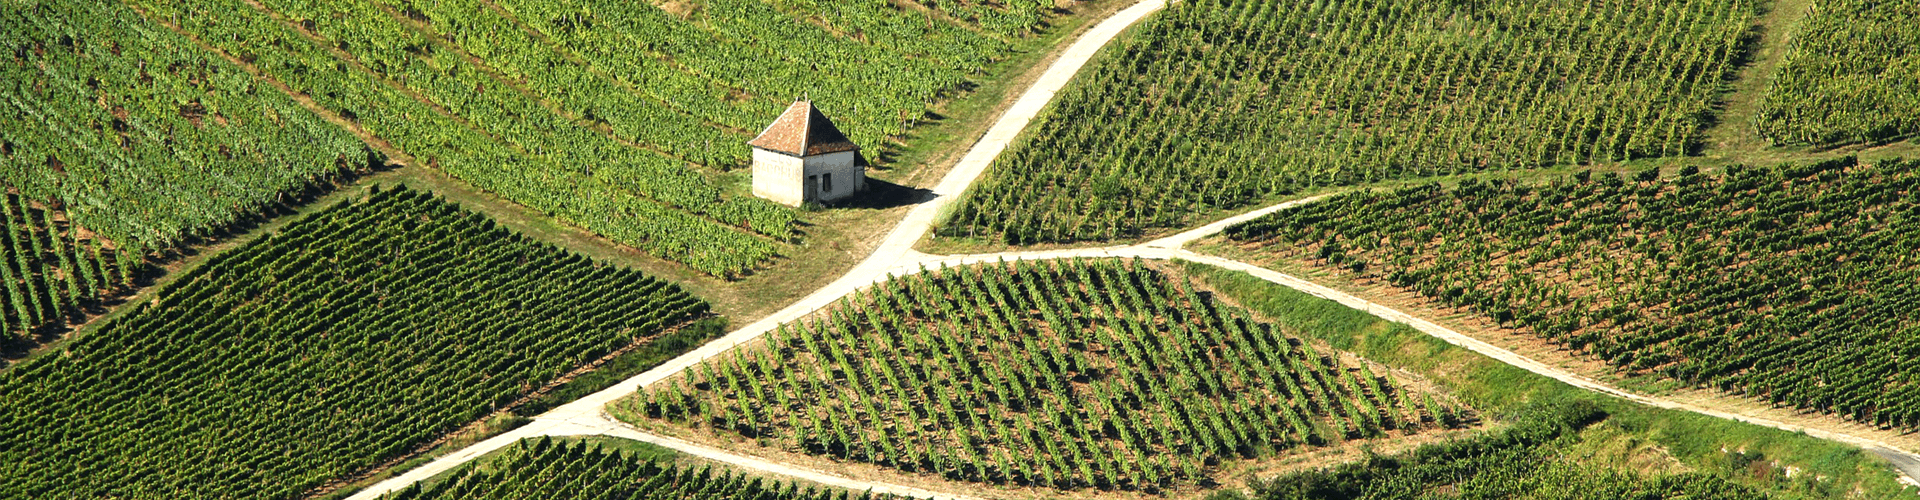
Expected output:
{"points": [[895, 256], [587, 415]]}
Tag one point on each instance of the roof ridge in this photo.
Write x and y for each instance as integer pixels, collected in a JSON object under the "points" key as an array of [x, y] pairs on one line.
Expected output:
{"points": [[786, 136], [806, 125]]}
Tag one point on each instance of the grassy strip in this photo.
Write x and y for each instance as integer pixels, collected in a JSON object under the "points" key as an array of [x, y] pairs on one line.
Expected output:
{"points": [[1748, 454], [627, 365]]}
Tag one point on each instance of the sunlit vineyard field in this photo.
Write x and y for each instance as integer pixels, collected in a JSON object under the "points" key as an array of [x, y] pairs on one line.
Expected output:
{"points": [[1851, 75], [1107, 374], [559, 471], [1217, 104], [617, 117], [1529, 459], [346, 338], [1790, 284], [117, 142]]}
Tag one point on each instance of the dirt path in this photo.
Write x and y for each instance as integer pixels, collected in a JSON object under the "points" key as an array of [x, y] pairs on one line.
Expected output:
{"points": [[613, 428], [897, 248], [895, 256]]}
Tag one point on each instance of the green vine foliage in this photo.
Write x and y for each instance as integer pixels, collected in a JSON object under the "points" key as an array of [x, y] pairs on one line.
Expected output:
{"points": [[1220, 104], [1851, 75], [345, 339], [1791, 284], [1098, 374]]}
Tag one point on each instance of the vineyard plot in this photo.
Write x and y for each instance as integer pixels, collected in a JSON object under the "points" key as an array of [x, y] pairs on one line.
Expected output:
{"points": [[617, 117], [1793, 285], [1532, 458], [558, 471], [119, 139], [1851, 75], [1218, 104], [345, 339], [1074, 374]]}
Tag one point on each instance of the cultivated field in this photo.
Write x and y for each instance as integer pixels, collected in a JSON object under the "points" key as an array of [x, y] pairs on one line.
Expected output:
{"points": [[582, 471], [1069, 375], [1220, 104], [1851, 75], [1528, 459], [118, 142], [1791, 284], [621, 118], [413, 249], [344, 340]]}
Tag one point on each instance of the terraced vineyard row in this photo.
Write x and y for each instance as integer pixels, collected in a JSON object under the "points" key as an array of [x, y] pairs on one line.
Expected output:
{"points": [[347, 338], [118, 139], [1790, 284], [617, 117], [1851, 75], [1071, 374], [1217, 104], [51, 273], [1527, 459], [557, 471], [575, 193]]}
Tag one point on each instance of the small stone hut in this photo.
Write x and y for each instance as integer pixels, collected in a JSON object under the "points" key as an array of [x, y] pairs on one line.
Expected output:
{"points": [[803, 158]]}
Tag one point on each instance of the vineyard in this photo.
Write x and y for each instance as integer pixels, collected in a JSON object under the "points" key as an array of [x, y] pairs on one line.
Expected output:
{"points": [[1106, 374], [557, 471], [343, 340], [117, 143], [1851, 75], [1525, 460], [619, 118], [1791, 284], [1218, 104]]}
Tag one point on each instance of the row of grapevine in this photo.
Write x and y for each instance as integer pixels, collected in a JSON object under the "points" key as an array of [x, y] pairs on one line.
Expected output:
{"points": [[394, 52], [559, 471], [550, 105], [1528, 459], [1010, 18], [53, 274], [1851, 75], [1218, 104], [342, 340], [878, 67], [1103, 374], [117, 142], [1791, 284], [576, 194]]}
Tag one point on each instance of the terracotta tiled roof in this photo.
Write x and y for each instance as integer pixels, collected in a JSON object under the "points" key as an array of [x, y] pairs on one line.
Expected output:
{"points": [[803, 131]]}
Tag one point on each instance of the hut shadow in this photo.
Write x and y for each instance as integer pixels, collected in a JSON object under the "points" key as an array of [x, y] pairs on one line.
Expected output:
{"points": [[881, 195]]}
